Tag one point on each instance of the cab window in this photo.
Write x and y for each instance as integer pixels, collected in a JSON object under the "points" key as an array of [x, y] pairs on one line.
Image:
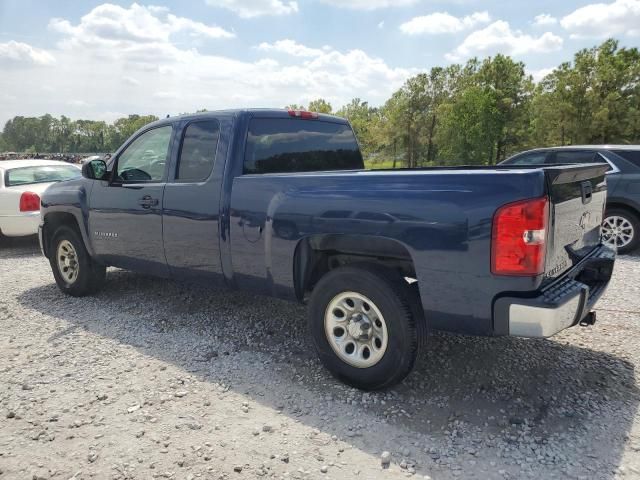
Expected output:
{"points": [[198, 151], [576, 156], [279, 145], [145, 159], [531, 158], [632, 156]]}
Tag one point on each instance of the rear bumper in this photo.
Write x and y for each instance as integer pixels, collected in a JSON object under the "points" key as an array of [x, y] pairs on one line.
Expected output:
{"points": [[20, 225], [562, 304]]}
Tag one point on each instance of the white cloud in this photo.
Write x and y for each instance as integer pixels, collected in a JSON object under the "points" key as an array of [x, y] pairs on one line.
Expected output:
{"points": [[442, 22], [604, 19], [18, 52], [102, 56], [257, 8], [115, 26], [291, 47], [138, 34], [544, 19], [500, 38], [381, 25], [539, 74], [130, 81], [369, 4], [79, 103]]}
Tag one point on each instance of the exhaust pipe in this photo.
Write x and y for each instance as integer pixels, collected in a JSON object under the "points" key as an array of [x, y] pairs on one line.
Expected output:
{"points": [[589, 319]]}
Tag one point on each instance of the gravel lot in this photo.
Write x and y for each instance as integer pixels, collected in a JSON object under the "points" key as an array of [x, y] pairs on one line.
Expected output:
{"points": [[155, 379]]}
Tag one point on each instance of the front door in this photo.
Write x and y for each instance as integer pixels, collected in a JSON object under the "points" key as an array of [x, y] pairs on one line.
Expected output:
{"points": [[125, 215]]}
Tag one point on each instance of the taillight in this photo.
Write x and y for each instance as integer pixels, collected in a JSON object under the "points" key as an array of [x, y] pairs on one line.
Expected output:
{"points": [[519, 237], [303, 114], [29, 202]]}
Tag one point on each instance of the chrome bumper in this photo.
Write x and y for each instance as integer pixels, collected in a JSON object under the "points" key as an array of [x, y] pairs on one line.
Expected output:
{"points": [[563, 304], [536, 321]]}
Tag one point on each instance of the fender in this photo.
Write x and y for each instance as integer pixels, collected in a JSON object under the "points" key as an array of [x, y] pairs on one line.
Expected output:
{"points": [[71, 198]]}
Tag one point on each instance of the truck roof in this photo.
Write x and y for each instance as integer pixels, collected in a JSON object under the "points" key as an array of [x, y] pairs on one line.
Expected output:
{"points": [[255, 112], [584, 147]]}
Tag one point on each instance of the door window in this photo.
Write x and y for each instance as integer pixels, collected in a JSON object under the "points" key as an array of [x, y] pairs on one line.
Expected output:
{"points": [[632, 156], [146, 158], [576, 156], [198, 151], [531, 158]]}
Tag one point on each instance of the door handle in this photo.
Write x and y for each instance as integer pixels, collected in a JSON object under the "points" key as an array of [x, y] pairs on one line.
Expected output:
{"points": [[148, 201]]}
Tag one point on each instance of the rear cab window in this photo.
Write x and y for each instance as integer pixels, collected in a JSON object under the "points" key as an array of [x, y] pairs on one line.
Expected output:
{"points": [[288, 145]]}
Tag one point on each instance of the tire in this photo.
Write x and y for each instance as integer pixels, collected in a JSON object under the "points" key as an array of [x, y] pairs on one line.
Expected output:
{"points": [[383, 291], [630, 224], [89, 276]]}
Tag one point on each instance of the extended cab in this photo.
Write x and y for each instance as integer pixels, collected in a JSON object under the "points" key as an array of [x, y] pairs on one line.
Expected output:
{"points": [[278, 202]]}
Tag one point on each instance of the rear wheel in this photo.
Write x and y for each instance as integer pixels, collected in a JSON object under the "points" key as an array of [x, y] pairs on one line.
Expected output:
{"points": [[621, 229], [362, 325], [75, 272]]}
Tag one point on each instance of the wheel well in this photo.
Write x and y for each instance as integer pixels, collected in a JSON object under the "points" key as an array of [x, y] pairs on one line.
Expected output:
{"points": [[320, 254], [53, 221], [622, 206]]}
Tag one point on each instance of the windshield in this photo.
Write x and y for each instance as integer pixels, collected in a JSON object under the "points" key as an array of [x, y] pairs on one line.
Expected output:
{"points": [[40, 174]]}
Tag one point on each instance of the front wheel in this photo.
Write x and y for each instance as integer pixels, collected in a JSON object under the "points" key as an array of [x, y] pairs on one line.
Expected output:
{"points": [[621, 230], [361, 321], [75, 272]]}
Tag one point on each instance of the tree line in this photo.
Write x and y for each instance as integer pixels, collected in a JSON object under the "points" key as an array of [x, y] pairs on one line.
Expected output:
{"points": [[63, 135], [477, 113]]}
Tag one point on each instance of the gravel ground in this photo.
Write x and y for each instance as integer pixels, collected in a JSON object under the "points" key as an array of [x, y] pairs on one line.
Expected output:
{"points": [[156, 379]]}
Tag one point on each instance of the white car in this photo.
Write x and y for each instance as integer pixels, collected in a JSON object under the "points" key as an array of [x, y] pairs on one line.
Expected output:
{"points": [[21, 184]]}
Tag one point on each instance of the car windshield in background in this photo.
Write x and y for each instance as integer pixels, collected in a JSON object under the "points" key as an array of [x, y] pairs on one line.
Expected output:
{"points": [[40, 174], [291, 145]]}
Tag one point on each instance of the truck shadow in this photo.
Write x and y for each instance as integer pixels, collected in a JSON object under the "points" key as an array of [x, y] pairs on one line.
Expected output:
{"points": [[564, 408], [19, 247]]}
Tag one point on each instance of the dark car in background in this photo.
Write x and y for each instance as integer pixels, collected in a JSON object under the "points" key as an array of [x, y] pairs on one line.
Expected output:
{"points": [[621, 226]]}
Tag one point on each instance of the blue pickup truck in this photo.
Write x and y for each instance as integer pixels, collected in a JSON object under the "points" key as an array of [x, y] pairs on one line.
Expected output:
{"points": [[278, 202]]}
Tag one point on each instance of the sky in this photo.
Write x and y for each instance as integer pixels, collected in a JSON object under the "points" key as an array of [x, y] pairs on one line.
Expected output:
{"points": [[95, 60]]}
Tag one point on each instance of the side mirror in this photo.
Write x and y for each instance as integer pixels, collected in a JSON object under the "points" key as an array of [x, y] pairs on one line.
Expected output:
{"points": [[94, 170]]}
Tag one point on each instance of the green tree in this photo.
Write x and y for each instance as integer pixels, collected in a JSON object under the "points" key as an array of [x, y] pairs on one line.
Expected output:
{"points": [[592, 100], [320, 105], [480, 112], [124, 127], [511, 91], [362, 118], [469, 128]]}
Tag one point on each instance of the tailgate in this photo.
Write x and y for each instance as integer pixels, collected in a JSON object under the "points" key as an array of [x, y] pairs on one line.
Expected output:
{"points": [[578, 195]]}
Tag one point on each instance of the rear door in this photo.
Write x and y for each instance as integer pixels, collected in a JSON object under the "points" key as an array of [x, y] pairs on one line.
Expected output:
{"points": [[125, 214], [578, 196], [192, 201], [628, 180]]}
